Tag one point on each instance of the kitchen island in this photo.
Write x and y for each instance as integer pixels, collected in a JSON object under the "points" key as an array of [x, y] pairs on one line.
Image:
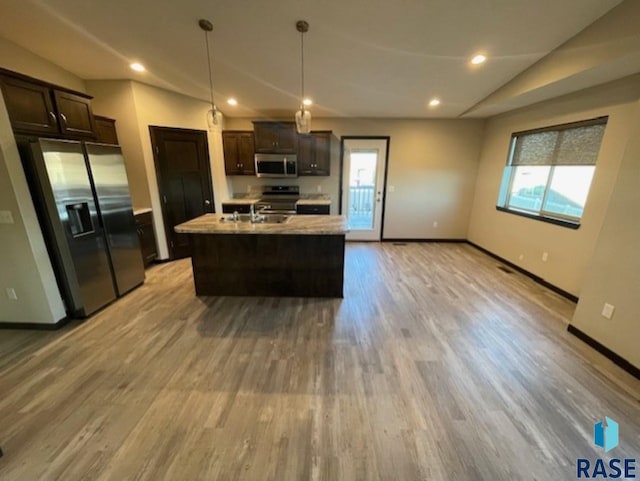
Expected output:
{"points": [[300, 257]]}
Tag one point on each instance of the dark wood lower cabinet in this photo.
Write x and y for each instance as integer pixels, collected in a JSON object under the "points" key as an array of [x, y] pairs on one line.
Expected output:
{"points": [[147, 238], [278, 265], [239, 208], [313, 209]]}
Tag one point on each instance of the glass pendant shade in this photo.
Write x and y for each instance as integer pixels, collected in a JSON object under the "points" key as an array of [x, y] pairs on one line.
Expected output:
{"points": [[303, 116], [214, 118], [303, 121]]}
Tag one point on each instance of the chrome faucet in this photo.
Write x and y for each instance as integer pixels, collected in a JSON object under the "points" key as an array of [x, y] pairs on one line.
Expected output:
{"points": [[255, 217]]}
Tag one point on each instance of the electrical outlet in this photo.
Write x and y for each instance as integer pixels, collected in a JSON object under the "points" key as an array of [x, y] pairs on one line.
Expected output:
{"points": [[435, 223], [521, 257], [11, 294], [319, 188], [6, 217], [545, 256], [607, 310]]}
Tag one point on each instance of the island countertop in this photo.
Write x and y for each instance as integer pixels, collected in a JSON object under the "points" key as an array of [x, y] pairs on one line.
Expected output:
{"points": [[295, 225]]}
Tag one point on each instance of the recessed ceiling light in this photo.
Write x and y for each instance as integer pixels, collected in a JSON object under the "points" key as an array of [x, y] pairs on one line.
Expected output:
{"points": [[434, 102], [307, 102], [232, 101], [478, 59], [138, 67]]}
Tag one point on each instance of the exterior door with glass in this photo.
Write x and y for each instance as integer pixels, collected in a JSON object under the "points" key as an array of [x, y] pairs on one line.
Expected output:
{"points": [[364, 165]]}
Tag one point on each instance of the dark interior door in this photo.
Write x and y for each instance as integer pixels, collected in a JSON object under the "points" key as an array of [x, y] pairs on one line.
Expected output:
{"points": [[184, 180]]}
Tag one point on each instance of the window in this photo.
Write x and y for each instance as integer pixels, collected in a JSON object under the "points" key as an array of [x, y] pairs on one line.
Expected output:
{"points": [[549, 171]]}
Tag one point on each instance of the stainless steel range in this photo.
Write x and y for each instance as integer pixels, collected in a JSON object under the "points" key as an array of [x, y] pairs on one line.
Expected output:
{"points": [[279, 199]]}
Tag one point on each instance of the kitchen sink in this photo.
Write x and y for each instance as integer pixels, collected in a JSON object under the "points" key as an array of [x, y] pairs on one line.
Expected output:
{"points": [[275, 218], [261, 219]]}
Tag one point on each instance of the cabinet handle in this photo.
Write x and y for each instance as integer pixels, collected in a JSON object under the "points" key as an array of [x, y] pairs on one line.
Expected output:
{"points": [[53, 117], [64, 118]]}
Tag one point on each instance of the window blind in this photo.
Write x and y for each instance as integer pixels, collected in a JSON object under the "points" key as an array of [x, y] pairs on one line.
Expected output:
{"points": [[562, 145]]}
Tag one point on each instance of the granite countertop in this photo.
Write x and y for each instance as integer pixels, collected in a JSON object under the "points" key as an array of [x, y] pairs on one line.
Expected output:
{"points": [[141, 210], [326, 200], [305, 199], [241, 200], [296, 225]]}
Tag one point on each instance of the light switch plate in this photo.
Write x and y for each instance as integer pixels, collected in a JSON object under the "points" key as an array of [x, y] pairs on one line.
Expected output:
{"points": [[607, 310], [6, 217]]}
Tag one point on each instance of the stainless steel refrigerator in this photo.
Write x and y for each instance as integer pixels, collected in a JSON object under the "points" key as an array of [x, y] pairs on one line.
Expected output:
{"points": [[82, 197]]}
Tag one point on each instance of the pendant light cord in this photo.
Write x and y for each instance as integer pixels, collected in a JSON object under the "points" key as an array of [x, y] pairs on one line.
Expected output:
{"points": [[206, 39], [302, 69]]}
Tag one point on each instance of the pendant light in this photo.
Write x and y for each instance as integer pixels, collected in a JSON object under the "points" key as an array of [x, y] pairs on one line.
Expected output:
{"points": [[214, 116], [303, 116]]}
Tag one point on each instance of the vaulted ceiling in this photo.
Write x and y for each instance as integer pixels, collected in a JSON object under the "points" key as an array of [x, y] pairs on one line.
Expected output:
{"points": [[364, 58]]}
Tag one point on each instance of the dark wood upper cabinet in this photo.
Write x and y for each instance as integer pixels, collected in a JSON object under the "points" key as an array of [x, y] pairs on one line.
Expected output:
{"points": [[314, 153], [106, 130], [30, 106], [74, 114], [275, 137], [40, 108], [238, 148]]}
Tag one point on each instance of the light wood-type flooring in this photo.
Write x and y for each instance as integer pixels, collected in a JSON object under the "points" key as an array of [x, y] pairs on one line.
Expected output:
{"points": [[436, 365]]}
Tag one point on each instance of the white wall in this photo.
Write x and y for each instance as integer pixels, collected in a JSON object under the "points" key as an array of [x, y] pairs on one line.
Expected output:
{"points": [[511, 236], [13, 57], [135, 107], [606, 50], [114, 99], [24, 261], [614, 271], [432, 167], [162, 108]]}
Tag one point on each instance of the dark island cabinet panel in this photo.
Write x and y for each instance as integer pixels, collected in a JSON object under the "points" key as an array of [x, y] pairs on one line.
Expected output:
{"points": [[314, 153], [238, 151], [275, 137]]}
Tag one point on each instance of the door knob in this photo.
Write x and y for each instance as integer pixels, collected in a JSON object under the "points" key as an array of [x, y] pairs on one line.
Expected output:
{"points": [[207, 202]]}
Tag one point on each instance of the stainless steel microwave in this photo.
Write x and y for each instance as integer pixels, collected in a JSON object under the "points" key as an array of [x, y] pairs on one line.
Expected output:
{"points": [[276, 165]]}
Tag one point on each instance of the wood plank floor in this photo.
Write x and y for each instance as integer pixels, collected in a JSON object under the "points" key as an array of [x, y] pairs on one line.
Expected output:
{"points": [[436, 365]]}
